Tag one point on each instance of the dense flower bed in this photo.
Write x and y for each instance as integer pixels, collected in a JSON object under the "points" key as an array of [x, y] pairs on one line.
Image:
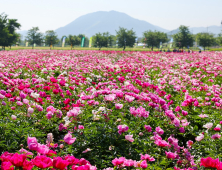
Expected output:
{"points": [[110, 110]]}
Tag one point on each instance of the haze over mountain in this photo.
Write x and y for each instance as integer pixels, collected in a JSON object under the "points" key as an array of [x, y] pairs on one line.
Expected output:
{"points": [[211, 29], [103, 21]]}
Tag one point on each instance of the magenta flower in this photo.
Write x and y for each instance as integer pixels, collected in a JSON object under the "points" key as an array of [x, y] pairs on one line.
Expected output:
{"points": [[122, 128], [159, 130], [148, 128], [32, 143], [68, 139], [216, 136], [170, 155]]}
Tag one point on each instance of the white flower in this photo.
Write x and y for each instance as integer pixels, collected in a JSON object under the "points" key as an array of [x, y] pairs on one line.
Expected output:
{"points": [[208, 125], [101, 109], [35, 95], [44, 69], [66, 118], [126, 83]]}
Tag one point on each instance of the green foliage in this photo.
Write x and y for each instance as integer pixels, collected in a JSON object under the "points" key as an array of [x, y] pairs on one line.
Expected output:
{"points": [[73, 40], [205, 39], [153, 39], [51, 38], [8, 36], [102, 40], [34, 36], [183, 38], [125, 37], [219, 39]]}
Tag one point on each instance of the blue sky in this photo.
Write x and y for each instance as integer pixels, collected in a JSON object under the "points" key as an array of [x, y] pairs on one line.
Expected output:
{"points": [[168, 14]]}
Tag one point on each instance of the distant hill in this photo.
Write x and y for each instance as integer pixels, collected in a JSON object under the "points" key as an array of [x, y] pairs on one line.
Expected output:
{"points": [[102, 21], [211, 29], [23, 33]]}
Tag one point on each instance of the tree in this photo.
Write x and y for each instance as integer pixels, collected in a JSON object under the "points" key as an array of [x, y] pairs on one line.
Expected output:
{"points": [[125, 37], [153, 39], [219, 39], [183, 38], [73, 40], [34, 36], [51, 38], [205, 39], [102, 40], [8, 36], [12, 26]]}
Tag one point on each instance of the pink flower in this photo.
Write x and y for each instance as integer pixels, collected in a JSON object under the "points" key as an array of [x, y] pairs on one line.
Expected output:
{"points": [[68, 139], [80, 127], [143, 164], [25, 152], [189, 143], [147, 157], [216, 136], [129, 98], [148, 128], [184, 112], [42, 149], [32, 143], [87, 150], [59, 163], [209, 162], [110, 97], [13, 117], [129, 138], [122, 128], [30, 110], [159, 130], [119, 106], [119, 161], [217, 128], [200, 137], [182, 130], [170, 155], [42, 162], [162, 143], [51, 109], [203, 115], [49, 115], [177, 109], [7, 166], [18, 159]]}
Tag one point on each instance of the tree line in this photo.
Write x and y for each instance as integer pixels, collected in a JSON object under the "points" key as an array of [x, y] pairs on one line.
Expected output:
{"points": [[123, 38]]}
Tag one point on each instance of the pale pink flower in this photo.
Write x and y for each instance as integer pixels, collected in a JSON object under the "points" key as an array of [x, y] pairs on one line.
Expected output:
{"points": [[129, 98], [110, 97], [13, 117], [119, 106], [200, 137], [208, 125], [203, 115], [129, 138]]}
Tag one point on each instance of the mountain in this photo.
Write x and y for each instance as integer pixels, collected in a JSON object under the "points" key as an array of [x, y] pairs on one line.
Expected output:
{"points": [[23, 33], [211, 29], [102, 21]]}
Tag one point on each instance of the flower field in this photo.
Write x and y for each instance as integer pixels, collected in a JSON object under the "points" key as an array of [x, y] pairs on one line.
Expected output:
{"points": [[88, 110]]}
